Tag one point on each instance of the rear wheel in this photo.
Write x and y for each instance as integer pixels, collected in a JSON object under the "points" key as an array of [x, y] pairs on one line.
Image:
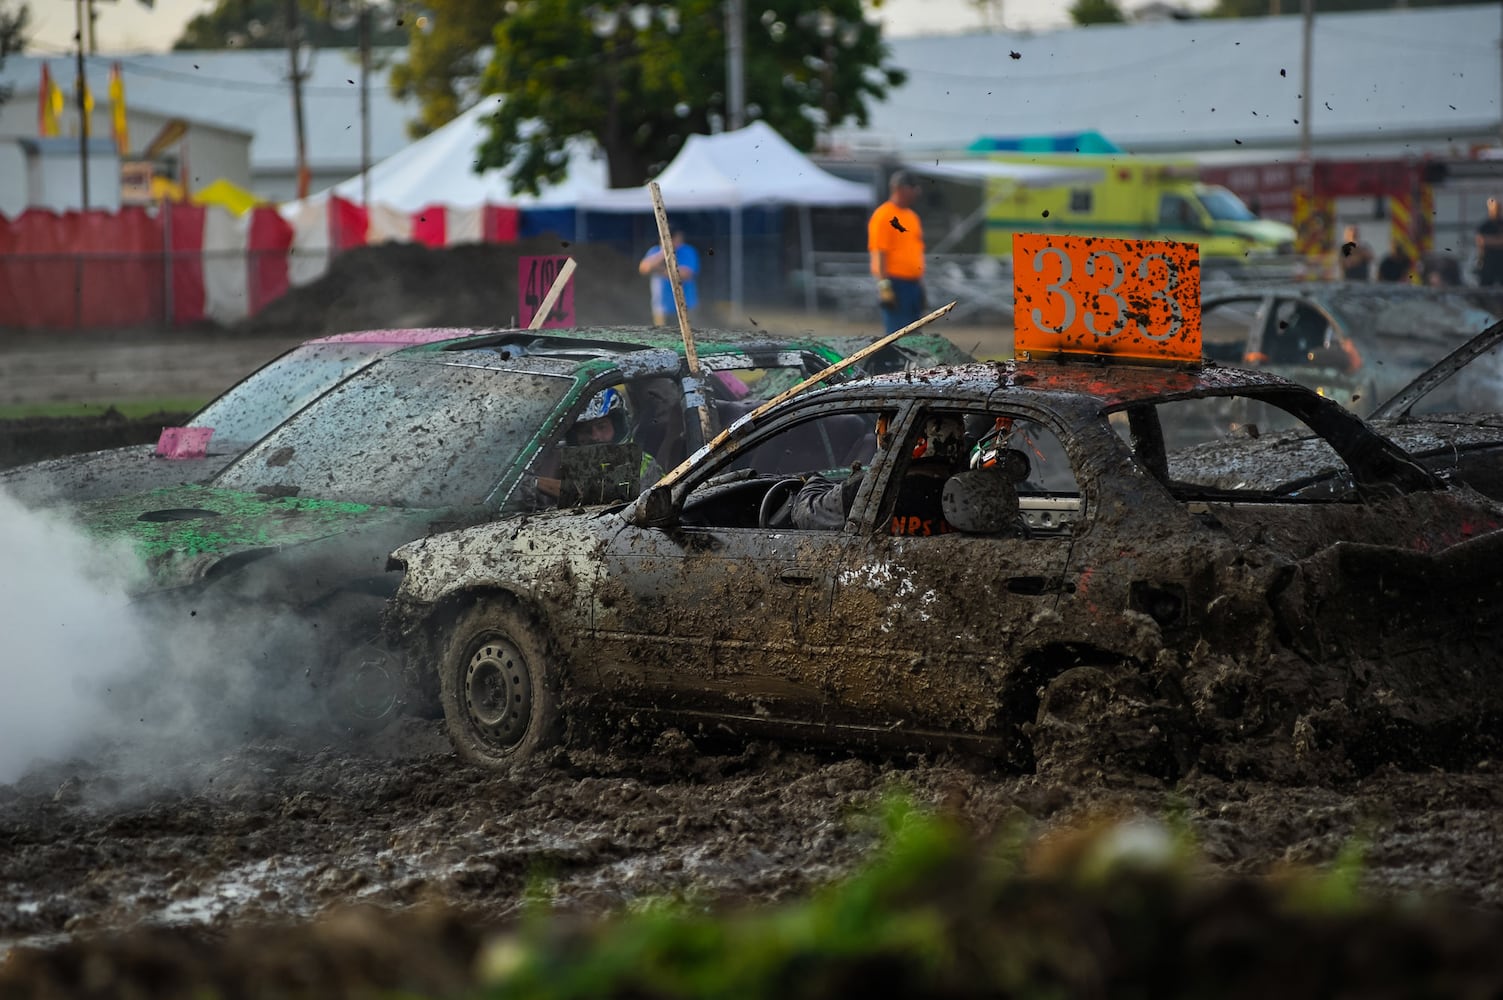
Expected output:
{"points": [[498, 686], [1109, 718]]}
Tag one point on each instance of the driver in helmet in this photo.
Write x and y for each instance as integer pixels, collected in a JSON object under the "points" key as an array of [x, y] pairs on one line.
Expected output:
{"points": [[603, 421], [825, 504]]}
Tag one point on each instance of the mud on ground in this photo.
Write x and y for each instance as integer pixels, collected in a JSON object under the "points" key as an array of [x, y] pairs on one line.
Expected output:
{"points": [[239, 851]]}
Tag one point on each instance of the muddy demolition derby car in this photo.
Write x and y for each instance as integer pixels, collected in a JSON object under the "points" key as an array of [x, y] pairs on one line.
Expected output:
{"points": [[1073, 602], [289, 542]]}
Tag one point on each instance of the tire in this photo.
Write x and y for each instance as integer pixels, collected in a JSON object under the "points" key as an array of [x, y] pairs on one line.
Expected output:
{"points": [[1107, 717], [358, 679], [498, 685]]}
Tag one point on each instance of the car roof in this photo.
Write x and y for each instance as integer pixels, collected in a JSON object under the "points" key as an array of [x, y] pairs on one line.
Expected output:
{"points": [[1100, 386], [418, 335], [623, 339]]}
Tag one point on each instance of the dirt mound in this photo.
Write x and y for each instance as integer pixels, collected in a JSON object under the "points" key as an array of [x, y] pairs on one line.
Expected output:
{"points": [[35, 438], [395, 285]]}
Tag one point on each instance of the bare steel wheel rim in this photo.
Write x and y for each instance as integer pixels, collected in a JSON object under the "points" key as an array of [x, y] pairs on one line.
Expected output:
{"points": [[369, 687], [498, 692]]}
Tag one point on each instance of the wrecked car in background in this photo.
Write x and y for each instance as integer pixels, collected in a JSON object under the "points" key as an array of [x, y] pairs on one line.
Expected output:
{"points": [[1354, 341], [298, 528], [1075, 600], [231, 423]]}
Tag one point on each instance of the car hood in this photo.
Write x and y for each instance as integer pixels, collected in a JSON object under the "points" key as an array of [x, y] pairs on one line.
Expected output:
{"points": [[1269, 232], [97, 474], [189, 534]]}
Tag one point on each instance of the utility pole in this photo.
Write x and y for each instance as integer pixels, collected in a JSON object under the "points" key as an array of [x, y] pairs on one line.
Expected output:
{"points": [[1307, 62], [735, 63], [365, 104], [294, 39], [81, 90]]}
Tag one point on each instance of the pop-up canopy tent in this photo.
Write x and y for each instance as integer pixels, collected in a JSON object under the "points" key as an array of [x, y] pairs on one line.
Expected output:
{"points": [[749, 167], [429, 191], [439, 169]]}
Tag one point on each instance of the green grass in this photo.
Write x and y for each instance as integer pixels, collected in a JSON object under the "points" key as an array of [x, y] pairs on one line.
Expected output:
{"points": [[133, 409]]}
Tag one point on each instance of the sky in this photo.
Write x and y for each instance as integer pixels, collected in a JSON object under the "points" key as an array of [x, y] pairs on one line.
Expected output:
{"points": [[124, 26]]}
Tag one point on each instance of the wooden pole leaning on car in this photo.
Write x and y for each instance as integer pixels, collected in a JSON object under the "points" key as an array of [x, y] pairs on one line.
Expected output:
{"points": [[861, 355], [554, 291], [670, 261]]}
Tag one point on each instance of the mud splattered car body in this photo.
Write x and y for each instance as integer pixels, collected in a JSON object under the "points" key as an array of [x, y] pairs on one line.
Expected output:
{"points": [[1200, 619], [1355, 342], [434, 437], [239, 417]]}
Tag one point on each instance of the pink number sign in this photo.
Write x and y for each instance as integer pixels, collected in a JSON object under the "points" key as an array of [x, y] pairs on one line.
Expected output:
{"points": [[534, 277]]}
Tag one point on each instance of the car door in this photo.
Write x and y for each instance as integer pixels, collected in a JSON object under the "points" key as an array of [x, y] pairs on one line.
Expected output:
{"points": [[926, 624], [719, 613]]}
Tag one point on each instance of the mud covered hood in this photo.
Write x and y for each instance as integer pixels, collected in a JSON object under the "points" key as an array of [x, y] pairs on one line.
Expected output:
{"points": [[110, 473], [185, 534]]}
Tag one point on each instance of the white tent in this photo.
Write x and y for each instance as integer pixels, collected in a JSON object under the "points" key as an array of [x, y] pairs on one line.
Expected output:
{"points": [[734, 170], [439, 169], [750, 166], [435, 172]]}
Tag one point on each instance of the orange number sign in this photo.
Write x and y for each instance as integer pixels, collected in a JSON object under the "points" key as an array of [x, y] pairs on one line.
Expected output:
{"points": [[1137, 299]]}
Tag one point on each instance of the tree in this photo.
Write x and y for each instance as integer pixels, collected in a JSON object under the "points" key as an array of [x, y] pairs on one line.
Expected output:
{"points": [[1096, 12], [639, 84], [445, 57], [262, 24], [13, 23]]}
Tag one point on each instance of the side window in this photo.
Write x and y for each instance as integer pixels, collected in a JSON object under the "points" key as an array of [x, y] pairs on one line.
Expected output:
{"points": [[1225, 328], [990, 456], [1200, 465], [1174, 212], [1080, 200], [828, 444], [826, 454], [1295, 333]]}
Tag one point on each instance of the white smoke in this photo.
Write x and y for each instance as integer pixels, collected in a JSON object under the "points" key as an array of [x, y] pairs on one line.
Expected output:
{"points": [[70, 633], [156, 691]]}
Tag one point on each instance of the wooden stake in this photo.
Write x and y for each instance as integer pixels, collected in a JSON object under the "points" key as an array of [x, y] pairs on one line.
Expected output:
{"points": [[861, 355], [670, 261], [551, 299]]}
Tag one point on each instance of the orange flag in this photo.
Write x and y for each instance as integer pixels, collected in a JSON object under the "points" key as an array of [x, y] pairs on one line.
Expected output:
{"points": [[49, 105], [117, 109]]}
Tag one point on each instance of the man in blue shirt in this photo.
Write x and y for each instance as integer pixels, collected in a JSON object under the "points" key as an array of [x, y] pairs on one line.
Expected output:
{"points": [[655, 266]]}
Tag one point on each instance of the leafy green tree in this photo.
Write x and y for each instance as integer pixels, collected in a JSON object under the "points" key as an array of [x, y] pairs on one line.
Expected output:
{"points": [[1096, 12], [1260, 8], [262, 24], [13, 23], [638, 85], [445, 57]]}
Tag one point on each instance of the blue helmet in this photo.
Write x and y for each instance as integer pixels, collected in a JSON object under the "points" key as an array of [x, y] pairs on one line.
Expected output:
{"points": [[602, 404]]}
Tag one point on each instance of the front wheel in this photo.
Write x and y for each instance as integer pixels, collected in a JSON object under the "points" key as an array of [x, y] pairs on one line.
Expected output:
{"points": [[497, 685]]}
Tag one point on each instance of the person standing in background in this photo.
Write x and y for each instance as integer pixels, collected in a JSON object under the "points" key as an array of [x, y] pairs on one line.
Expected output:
{"points": [[1356, 257], [895, 238], [655, 266], [1490, 247]]}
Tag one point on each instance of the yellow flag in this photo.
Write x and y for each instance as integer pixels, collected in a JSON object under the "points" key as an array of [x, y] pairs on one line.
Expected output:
{"points": [[88, 96], [117, 109], [49, 105]]}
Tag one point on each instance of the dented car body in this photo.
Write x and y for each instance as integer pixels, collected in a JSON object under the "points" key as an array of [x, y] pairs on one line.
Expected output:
{"points": [[1108, 609]]}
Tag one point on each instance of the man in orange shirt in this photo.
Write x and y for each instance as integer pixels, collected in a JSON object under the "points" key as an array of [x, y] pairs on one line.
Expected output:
{"points": [[895, 238]]}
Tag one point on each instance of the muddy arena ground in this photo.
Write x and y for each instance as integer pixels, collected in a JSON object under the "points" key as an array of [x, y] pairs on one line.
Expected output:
{"points": [[300, 866]]}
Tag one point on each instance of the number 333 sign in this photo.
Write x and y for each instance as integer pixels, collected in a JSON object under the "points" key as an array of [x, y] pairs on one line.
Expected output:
{"points": [[1136, 299]]}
